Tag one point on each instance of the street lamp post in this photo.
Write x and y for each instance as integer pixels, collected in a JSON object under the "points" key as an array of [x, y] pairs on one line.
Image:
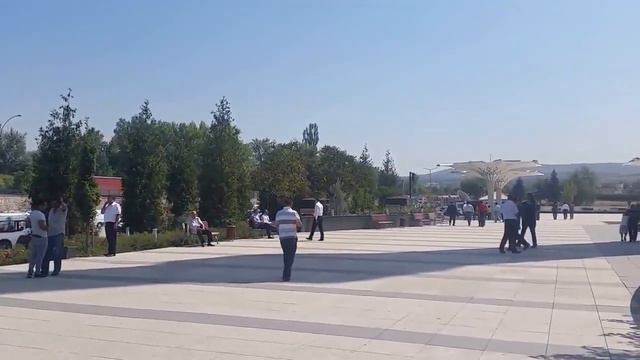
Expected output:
{"points": [[7, 121], [430, 169]]}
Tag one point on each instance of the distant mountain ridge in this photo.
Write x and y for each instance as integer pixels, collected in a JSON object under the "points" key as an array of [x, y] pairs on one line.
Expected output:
{"points": [[606, 173]]}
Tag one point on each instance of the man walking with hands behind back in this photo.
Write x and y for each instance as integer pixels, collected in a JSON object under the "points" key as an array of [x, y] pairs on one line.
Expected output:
{"points": [[288, 223], [318, 211], [111, 211], [510, 216]]}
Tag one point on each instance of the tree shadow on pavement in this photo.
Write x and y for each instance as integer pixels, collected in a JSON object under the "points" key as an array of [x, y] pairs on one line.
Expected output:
{"points": [[625, 332], [322, 268]]}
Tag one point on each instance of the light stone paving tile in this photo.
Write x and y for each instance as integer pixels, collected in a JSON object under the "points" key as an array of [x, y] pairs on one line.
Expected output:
{"points": [[392, 348], [490, 355], [446, 353]]}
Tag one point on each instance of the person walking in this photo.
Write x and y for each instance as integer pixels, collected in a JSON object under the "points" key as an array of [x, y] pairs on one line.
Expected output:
{"points": [[452, 213], [624, 225], [634, 218], [510, 217], [497, 212], [554, 210], [288, 222], [565, 210], [572, 209], [318, 213], [57, 224], [112, 212], [468, 211], [482, 214], [38, 243], [528, 214]]}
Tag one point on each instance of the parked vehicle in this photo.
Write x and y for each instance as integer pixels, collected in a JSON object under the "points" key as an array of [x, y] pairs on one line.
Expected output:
{"points": [[14, 230]]}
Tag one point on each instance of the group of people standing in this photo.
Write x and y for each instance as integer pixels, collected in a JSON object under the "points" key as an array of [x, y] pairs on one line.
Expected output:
{"points": [[629, 223], [47, 238]]}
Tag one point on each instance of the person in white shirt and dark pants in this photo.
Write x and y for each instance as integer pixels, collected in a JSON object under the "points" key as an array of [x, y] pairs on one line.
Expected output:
{"points": [[318, 212], [111, 211], [288, 222], [38, 243], [511, 224]]}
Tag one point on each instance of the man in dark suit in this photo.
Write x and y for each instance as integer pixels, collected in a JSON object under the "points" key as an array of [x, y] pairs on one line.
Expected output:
{"points": [[528, 214]]}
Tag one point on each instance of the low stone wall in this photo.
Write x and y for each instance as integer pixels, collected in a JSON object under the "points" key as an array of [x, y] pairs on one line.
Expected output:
{"points": [[348, 222], [13, 203]]}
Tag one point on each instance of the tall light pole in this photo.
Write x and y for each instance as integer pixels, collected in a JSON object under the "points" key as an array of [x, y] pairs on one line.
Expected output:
{"points": [[430, 169], [7, 121]]}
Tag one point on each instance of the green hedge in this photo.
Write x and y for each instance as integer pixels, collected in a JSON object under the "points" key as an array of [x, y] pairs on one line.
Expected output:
{"points": [[133, 242]]}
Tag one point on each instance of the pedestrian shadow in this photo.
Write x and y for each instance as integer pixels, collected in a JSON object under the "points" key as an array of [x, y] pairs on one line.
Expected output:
{"points": [[310, 268]]}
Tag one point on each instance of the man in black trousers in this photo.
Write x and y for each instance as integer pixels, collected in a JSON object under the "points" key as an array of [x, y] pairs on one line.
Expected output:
{"points": [[528, 214], [318, 212], [510, 216], [634, 218]]}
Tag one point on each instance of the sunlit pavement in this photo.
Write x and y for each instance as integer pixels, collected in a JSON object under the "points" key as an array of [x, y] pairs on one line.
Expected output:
{"points": [[435, 292]]}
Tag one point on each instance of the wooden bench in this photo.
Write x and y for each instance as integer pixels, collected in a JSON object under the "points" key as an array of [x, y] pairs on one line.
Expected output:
{"points": [[381, 220], [418, 219]]}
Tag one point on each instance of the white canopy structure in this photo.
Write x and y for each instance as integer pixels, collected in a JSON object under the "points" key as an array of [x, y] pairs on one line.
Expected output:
{"points": [[497, 173], [633, 162]]}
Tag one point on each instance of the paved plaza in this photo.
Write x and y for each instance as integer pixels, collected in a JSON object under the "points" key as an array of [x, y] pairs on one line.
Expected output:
{"points": [[435, 292]]}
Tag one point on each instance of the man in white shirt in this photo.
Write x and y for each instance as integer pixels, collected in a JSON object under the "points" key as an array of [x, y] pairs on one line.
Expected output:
{"points": [[38, 243], [111, 211], [57, 223], [565, 210], [467, 210], [198, 227], [510, 216], [288, 223], [318, 212]]}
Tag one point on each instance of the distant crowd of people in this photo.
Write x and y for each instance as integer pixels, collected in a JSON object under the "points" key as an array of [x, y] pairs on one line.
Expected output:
{"points": [[629, 223]]}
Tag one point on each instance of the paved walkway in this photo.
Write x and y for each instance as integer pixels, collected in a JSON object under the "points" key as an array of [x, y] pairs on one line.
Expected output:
{"points": [[413, 293]]}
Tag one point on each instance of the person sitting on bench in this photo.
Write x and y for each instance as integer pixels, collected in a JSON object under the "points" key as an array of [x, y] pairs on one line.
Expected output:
{"points": [[197, 227], [265, 223]]}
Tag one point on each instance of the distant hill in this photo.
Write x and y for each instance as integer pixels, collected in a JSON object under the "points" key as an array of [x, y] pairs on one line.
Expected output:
{"points": [[606, 172]]}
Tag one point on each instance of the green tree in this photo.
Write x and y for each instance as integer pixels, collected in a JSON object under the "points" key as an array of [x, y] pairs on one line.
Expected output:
{"points": [[336, 164], [224, 180], [183, 158], [569, 191], [518, 190], [86, 196], [554, 190], [102, 164], [13, 151], [282, 172], [363, 198], [387, 178], [310, 136], [60, 164], [587, 186], [142, 163], [475, 186], [260, 148]]}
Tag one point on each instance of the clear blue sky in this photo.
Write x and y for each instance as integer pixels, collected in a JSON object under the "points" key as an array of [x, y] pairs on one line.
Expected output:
{"points": [[433, 81]]}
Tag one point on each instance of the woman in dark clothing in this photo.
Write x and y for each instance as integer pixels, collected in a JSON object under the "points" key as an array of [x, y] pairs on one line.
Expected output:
{"points": [[452, 213], [554, 210], [634, 218]]}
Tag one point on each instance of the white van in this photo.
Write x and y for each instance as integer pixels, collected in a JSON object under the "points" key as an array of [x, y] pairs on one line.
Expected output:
{"points": [[14, 230]]}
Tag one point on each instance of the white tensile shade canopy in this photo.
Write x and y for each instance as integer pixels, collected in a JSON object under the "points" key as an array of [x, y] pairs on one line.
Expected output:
{"points": [[633, 162], [497, 173]]}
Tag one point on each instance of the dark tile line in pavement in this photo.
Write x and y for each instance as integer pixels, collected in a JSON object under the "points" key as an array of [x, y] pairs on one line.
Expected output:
{"points": [[128, 278], [307, 327]]}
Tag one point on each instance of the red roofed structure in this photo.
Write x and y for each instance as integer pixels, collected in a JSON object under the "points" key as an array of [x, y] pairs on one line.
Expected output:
{"points": [[108, 185]]}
